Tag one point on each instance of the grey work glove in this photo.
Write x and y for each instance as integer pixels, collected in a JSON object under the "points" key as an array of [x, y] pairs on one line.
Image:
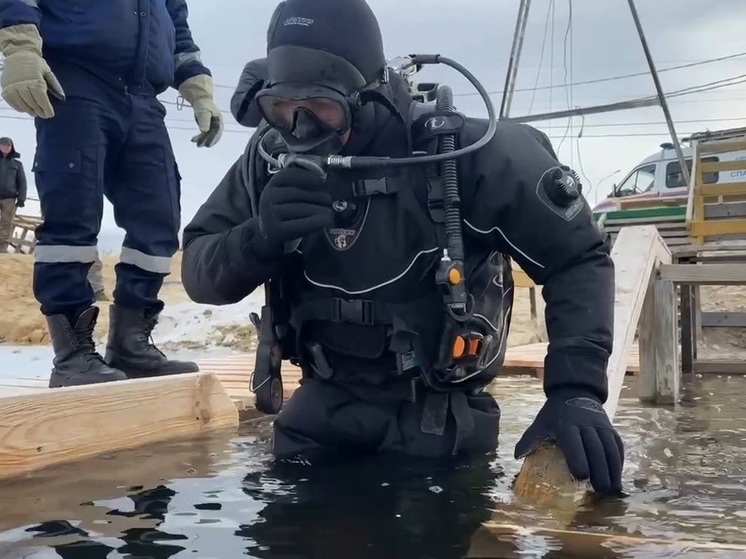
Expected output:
{"points": [[198, 92], [27, 79]]}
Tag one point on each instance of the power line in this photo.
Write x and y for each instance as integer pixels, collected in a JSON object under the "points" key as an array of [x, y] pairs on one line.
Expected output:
{"points": [[613, 78], [661, 123]]}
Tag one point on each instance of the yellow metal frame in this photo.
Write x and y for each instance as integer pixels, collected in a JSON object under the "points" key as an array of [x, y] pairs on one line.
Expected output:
{"points": [[700, 228]]}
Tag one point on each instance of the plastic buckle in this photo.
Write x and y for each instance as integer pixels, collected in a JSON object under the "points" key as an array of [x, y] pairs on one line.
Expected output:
{"points": [[359, 311]]}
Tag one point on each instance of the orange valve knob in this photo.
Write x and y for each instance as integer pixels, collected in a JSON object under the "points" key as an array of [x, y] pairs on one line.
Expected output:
{"points": [[454, 276], [459, 347]]}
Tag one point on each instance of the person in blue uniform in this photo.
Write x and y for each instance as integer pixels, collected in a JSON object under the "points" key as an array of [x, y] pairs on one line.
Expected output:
{"points": [[89, 72]]}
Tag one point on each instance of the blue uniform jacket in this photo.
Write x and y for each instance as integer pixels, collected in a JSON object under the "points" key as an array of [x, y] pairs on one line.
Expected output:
{"points": [[144, 46]]}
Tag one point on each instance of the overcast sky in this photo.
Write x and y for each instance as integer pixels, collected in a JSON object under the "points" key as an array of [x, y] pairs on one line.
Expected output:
{"points": [[478, 34]]}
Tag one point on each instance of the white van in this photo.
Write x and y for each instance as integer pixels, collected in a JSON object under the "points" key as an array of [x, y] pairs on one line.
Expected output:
{"points": [[659, 175]]}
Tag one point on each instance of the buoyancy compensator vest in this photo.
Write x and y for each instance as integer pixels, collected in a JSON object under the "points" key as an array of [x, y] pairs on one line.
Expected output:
{"points": [[392, 291]]}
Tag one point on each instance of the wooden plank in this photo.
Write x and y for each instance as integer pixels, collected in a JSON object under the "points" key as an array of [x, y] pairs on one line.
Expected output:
{"points": [[690, 250], [65, 424], [544, 475], [704, 274], [522, 279], [720, 166], [501, 540], [720, 366], [727, 189], [659, 352], [645, 382], [717, 227], [234, 372], [721, 146], [724, 319], [26, 221], [727, 209], [653, 202]]}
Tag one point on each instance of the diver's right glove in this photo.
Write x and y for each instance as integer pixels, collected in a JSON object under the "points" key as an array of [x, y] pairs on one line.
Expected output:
{"points": [[295, 203], [27, 79]]}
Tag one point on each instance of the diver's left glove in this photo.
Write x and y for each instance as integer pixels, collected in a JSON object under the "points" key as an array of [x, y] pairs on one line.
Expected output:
{"points": [[576, 421], [198, 92]]}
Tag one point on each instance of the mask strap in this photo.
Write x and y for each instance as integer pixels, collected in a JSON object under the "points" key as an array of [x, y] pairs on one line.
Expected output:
{"points": [[375, 96]]}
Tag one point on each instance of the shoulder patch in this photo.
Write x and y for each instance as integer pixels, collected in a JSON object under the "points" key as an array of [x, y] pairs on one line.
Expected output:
{"points": [[560, 190]]}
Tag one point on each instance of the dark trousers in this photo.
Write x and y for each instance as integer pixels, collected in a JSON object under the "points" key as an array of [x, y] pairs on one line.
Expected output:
{"points": [[323, 420], [116, 147]]}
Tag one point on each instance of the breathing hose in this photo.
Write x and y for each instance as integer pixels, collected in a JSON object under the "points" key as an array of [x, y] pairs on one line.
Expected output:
{"points": [[444, 102], [451, 274]]}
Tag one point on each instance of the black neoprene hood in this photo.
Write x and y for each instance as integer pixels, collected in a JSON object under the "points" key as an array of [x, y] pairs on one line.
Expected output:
{"points": [[325, 42]]}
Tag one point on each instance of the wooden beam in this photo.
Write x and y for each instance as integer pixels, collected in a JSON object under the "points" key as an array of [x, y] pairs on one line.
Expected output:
{"points": [[544, 475], [659, 379], [721, 146], [724, 319], [521, 279], [60, 425], [727, 209], [499, 540], [723, 189], [653, 202], [709, 228], [720, 166], [704, 274], [720, 366]]}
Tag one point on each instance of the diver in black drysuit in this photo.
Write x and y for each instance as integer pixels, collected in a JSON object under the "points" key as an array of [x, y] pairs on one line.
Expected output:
{"points": [[361, 281]]}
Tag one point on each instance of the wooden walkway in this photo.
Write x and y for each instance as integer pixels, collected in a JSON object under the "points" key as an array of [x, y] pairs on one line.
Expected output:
{"points": [[234, 373]]}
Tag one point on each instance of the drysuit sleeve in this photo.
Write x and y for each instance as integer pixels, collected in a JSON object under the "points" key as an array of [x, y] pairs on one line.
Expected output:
{"points": [[18, 12], [21, 184], [508, 193], [224, 259], [187, 56]]}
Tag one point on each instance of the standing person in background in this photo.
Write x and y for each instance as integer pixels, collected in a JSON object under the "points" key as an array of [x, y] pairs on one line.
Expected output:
{"points": [[90, 74], [12, 189]]}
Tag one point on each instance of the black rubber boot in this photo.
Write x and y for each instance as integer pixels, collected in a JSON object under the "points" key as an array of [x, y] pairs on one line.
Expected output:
{"points": [[76, 361], [131, 349]]}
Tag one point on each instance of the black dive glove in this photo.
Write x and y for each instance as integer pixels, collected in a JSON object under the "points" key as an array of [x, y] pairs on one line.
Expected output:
{"points": [[577, 422], [294, 203]]}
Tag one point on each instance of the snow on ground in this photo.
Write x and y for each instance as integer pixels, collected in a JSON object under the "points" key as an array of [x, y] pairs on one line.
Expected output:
{"points": [[192, 325]]}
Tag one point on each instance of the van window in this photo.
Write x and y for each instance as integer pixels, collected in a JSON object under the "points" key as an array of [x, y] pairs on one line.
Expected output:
{"points": [[641, 180], [674, 178]]}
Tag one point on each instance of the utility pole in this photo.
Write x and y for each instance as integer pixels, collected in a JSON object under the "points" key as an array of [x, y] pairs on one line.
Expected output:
{"points": [[659, 89], [515, 55], [659, 99]]}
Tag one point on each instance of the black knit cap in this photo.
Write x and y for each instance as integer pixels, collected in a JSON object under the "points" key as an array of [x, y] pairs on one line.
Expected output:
{"points": [[325, 42]]}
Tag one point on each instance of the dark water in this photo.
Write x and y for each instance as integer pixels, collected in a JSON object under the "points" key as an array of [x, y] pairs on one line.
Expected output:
{"points": [[221, 497]]}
